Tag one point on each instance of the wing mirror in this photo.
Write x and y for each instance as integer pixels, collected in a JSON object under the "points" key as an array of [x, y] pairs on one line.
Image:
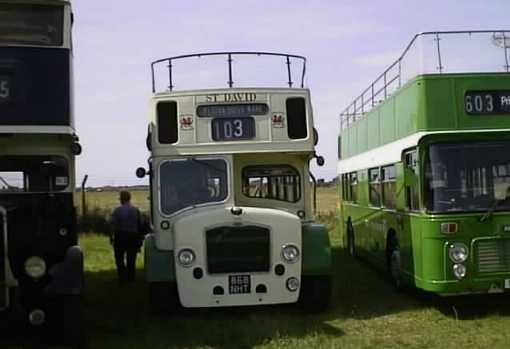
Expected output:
{"points": [[141, 172]]}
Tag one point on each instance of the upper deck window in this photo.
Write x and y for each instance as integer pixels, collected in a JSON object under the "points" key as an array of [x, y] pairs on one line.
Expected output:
{"points": [[189, 182], [28, 24], [20, 174], [296, 118], [167, 122]]}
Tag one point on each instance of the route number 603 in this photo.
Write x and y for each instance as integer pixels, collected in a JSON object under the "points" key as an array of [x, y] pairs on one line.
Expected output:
{"points": [[479, 103]]}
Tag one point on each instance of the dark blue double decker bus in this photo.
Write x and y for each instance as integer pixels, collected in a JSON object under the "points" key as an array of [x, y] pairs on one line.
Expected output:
{"points": [[41, 265]]}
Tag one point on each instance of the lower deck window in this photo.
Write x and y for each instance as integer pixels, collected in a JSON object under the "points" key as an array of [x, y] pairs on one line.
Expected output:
{"points": [[389, 186], [276, 182], [374, 187]]}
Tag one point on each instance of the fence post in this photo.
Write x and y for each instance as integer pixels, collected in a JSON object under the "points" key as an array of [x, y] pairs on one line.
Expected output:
{"points": [[83, 198]]}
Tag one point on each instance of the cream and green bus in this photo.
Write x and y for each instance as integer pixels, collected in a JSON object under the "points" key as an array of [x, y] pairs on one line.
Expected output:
{"points": [[424, 166], [232, 215]]}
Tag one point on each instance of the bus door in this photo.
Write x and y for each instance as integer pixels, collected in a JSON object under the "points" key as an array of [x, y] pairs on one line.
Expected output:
{"points": [[3, 259], [410, 232]]}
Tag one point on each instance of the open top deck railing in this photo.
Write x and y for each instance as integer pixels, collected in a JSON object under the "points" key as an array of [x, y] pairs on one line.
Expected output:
{"points": [[393, 77], [287, 61]]}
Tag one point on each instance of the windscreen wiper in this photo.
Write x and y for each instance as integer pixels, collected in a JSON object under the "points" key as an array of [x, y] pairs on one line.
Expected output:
{"points": [[5, 182], [490, 210]]}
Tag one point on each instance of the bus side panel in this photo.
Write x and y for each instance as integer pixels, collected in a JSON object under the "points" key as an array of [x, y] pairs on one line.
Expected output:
{"points": [[316, 250], [159, 265]]}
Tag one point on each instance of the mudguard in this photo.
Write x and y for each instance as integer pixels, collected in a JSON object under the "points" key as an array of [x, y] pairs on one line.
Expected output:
{"points": [[67, 276], [159, 264], [316, 250]]}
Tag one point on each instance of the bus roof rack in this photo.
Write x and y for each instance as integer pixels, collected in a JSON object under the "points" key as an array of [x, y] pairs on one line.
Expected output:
{"points": [[380, 88], [229, 54]]}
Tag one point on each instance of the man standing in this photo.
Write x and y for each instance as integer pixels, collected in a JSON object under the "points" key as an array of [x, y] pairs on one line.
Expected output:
{"points": [[126, 237]]}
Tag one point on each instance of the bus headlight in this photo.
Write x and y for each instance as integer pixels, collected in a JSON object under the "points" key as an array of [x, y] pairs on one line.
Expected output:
{"points": [[186, 257], [35, 267], [459, 270], [290, 253], [458, 253]]}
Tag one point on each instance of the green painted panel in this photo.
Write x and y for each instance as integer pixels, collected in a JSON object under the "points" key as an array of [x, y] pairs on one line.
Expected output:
{"points": [[374, 134], [426, 103], [159, 265], [406, 110], [362, 132], [440, 99], [388, 121], [316, 250]]}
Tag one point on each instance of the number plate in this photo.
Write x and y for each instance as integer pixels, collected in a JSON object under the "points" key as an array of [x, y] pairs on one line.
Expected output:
{"points": [[487, 102], [507, 283], [238, 284], [232, 129], [5, 88]]}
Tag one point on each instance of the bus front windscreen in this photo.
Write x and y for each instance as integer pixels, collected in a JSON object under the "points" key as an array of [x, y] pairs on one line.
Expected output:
{"points": [[189, 182], [27, 24], [33, 174], [467, 177]]}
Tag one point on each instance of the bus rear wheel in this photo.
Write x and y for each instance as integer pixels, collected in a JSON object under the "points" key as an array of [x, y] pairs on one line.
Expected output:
{"points": [[163, 298], [393, 261], [315, 294]]}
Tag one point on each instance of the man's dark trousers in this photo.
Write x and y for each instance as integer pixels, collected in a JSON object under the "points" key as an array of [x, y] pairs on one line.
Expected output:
{"points": [[125, 247]]}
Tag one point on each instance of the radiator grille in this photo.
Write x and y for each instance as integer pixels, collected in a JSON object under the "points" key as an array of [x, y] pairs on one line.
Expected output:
{"points": [[237, 249], [3, 285], [493, 255]]}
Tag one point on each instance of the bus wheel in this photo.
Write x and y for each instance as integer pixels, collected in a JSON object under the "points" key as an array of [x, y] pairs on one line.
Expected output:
{"points": [[351, 249], [315, 294], [393, 262], [163, 298], [67, 321]]}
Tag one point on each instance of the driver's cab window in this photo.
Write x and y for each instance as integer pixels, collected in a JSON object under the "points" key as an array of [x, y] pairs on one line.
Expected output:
{"points": [[12, 181], [33, 174]]}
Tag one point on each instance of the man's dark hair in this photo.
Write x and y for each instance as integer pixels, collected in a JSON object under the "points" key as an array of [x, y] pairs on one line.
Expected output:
{"points": [[125, 197]]}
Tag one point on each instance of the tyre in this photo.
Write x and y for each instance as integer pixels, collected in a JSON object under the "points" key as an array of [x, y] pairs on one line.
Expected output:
{"points": [[315, 295], [73, 321], [66, 321], [163, 298], [393, 262]]}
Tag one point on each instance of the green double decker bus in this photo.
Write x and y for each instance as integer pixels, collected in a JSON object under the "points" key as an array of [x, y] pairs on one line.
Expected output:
{"points": [[424, 165]]}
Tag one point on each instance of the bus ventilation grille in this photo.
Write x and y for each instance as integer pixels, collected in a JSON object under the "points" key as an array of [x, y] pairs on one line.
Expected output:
{"points": [[238, 249], [493, 255]]}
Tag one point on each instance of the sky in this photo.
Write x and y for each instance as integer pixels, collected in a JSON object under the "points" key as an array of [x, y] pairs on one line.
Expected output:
{"points": [[347, 44]]}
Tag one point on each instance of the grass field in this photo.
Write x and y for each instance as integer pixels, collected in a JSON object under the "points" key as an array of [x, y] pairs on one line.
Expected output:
{"points": [[366, 313], [326, 199]]}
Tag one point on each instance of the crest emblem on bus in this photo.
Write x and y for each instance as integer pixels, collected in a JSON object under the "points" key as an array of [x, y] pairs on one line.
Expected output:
{"points": [[277, 120], [186, 122]]}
